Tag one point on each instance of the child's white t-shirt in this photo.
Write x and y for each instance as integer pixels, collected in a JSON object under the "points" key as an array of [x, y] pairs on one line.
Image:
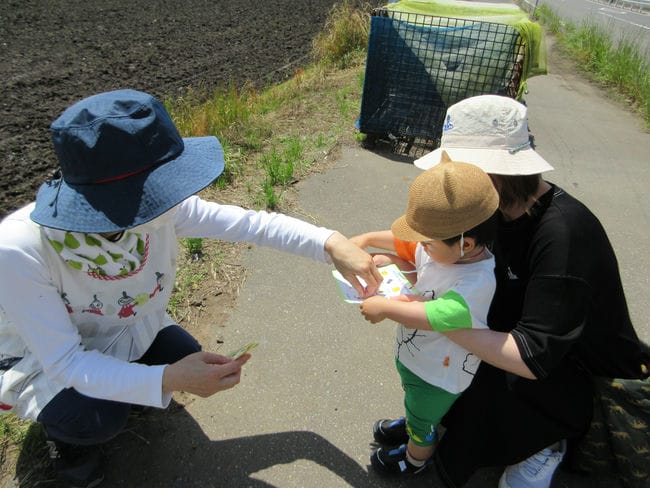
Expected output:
{"points": [[462, 294]]}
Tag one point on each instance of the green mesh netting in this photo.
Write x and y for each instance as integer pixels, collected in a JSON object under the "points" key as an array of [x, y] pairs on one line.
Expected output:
{"points": [[420, 63], [531, 32]]}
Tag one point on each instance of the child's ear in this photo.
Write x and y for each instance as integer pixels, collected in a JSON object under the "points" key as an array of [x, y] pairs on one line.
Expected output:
{"points": [[469, 243]]}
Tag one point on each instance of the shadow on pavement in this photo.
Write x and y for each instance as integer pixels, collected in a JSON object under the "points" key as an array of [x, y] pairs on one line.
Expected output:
{"points": [[168, 448]]}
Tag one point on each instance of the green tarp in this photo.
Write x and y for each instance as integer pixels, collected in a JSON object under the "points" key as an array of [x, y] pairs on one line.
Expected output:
{"points": [[531, 32]]}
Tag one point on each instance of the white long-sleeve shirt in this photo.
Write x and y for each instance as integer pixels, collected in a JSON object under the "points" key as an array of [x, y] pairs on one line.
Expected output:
{"points": [[61, 327]]}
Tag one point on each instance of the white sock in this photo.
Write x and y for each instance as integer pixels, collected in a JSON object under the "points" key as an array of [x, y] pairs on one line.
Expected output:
{"points": [[415, 462]]}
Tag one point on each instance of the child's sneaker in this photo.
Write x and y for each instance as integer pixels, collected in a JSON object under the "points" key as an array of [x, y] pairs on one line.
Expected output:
{"points": [[390, 432], [393, 462], [80, 466], [138, 411], [536, 471]]}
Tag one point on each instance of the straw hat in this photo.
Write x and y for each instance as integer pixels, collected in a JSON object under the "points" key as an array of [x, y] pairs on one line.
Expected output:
{"points": [[123, 163], [445, 201], [490, 131]]}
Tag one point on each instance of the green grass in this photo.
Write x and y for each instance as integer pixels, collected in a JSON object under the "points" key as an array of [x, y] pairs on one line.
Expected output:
{"points": [[194, 246], [345, 35], [620, 66], [261, 153], [12, 428]]}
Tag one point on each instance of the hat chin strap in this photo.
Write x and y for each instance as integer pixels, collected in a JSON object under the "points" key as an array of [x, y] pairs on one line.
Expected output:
{"points": [[462, 245], [55, 200]]}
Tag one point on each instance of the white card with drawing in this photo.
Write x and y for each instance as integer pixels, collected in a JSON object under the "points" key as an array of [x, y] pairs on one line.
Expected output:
{"points": [[394, 283]]}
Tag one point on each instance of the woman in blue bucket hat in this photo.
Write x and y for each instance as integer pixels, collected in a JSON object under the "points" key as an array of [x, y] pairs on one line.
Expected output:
{"points": [[89, 267]]}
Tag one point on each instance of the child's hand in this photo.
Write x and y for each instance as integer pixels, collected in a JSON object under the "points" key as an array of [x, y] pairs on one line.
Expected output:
{"points": [[373, 309], [381, 259], [361, 240], [410, 298]]}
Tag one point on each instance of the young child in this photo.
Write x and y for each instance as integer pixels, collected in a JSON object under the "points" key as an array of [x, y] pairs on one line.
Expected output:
{"points": [[449, 222]]}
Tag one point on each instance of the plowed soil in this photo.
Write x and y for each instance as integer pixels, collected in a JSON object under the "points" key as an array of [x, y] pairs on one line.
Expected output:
{"points": [[55, 52]]}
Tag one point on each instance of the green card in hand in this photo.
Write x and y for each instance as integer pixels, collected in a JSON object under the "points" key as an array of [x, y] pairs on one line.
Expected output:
{"points": [[243, 350]]}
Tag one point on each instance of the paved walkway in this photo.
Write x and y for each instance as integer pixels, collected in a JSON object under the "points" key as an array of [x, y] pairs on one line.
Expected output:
{"points": [[303, 413]]}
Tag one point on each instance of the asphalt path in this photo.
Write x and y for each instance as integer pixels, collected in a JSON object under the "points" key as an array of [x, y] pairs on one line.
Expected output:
{"points": [[302, 415]]}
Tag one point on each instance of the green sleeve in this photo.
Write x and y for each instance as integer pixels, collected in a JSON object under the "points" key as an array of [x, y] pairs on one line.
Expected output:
{"points": [[448, 312]]}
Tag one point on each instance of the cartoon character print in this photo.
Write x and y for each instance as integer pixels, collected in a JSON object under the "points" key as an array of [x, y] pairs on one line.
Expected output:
{"points": [[409, 336], [407, 340], [5, 364], [66, 302], [96, 307], [159, 284], [448, 124], [96, 270], [127, 305], [429, 294], [470, 364]]}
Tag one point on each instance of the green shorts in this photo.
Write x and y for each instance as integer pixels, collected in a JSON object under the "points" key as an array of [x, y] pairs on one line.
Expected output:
{"points": [[424, 405]]}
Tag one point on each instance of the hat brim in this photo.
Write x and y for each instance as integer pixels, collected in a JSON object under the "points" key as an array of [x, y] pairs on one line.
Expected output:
{"points": [[134, 200], [405, 232], [492, 161]]}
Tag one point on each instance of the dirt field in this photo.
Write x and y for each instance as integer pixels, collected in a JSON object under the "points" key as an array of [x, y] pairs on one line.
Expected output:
{"points": [[55, 52]]}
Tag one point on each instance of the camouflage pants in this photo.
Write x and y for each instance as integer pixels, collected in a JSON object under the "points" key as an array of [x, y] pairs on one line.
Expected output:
{"points": [[618, 440]]}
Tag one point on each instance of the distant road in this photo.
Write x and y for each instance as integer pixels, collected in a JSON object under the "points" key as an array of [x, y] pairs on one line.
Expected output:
{"points": [[627, 23]]}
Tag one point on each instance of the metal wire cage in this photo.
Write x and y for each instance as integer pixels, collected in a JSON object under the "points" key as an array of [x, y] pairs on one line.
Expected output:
{"points": [[417, 65]]}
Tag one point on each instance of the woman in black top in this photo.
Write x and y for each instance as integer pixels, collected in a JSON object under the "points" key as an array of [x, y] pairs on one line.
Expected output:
{"points": [[559, 315]]}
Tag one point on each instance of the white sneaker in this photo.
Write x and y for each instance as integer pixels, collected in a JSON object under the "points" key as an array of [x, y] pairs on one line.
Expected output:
{"points": [[536, 471]]}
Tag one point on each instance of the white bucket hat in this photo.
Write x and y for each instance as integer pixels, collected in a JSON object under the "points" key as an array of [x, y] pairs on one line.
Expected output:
{"points": [[490, 131]]}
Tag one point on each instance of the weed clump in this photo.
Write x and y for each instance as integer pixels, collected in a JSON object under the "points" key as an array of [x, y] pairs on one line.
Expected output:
{"points": [[345, 35]]}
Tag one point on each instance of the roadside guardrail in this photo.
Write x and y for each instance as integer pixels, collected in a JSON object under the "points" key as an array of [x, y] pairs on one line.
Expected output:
{"points": [[642, 6], [636, 5]]}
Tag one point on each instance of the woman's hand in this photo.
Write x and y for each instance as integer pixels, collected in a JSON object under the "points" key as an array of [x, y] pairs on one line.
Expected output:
{"points": [[203, 373], [353, 263]]}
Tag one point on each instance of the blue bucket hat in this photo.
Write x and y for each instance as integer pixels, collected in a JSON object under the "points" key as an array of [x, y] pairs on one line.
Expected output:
{"points": [[122, 164]]}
